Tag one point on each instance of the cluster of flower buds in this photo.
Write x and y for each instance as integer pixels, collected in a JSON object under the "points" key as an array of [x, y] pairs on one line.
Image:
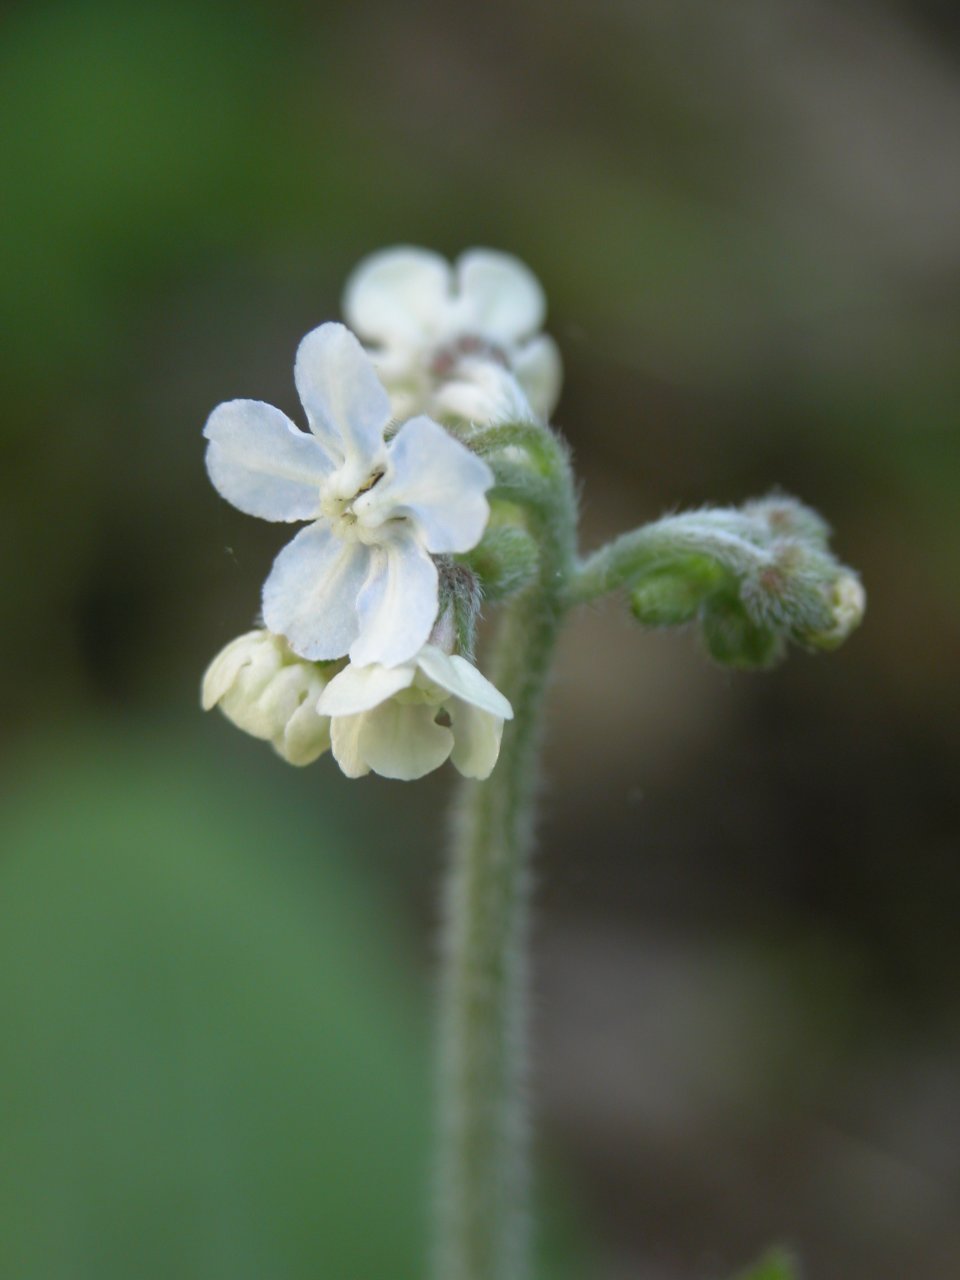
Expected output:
{"points": [[369, 611], [753, 578]]}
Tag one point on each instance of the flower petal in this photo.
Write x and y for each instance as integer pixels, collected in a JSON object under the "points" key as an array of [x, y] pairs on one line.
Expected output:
{"points": [[398, 295], [461, 678], [307, 734], [347, 407], [539, 370], [403, 741], [398, 603], [435, 481], [357, 689], [310, 594], [476, 739], [227, 665], [266, 716], [503, 297], [263, 464], [345, 745]]}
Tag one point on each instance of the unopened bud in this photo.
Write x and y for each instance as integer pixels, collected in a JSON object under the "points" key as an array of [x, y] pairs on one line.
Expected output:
{"points": [[673, 595], [505, 561], [734, 639], [785, 517], [847, 602], [266, 690], [789, 592]]}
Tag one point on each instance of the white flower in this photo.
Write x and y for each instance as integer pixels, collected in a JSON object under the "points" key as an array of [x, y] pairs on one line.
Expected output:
{"points": [[266, 690], [422, 316], [359, 579], [386, 719]]}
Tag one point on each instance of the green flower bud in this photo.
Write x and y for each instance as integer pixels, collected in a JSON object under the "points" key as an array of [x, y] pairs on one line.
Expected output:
{"points": [[734, 639], [673, 595], [790, 593], [505, 561], [785, 517]]}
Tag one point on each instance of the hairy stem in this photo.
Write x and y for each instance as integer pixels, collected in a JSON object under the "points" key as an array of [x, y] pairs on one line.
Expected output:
{"points": [[483, 1163], [727, 537]]}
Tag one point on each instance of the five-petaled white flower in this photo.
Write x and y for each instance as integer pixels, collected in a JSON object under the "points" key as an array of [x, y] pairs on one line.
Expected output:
{"points": [[360, 579], [266, 690], [387, 719], [422, 317]]}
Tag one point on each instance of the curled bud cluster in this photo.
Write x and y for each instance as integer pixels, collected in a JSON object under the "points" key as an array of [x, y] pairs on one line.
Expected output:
{"points": [[760, 577]]}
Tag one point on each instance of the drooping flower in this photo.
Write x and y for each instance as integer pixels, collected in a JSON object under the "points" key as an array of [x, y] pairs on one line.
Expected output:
{"points": [[404, 721], [261, 685], [359, 579], [421, 317]]}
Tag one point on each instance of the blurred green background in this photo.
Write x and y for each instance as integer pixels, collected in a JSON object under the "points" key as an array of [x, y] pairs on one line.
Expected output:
{"points": [[216, 972]]}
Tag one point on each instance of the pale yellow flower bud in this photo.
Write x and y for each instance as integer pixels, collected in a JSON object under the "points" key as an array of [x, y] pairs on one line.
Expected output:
{"points": [[848, 603], [261, 685]]}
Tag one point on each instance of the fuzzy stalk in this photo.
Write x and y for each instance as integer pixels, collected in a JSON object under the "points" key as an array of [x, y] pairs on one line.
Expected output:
{"points": [[726, 536], [483, 1177]]}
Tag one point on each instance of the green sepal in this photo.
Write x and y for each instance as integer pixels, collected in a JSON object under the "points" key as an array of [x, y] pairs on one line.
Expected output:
{"points": [[460, 596]]}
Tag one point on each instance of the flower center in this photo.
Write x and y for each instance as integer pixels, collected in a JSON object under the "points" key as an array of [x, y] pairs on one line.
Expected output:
{"points": [[419, 696], [445, 359], [337, 506]]}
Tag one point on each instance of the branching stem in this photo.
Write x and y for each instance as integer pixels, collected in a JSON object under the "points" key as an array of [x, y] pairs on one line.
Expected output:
{"points": [[483, 1159]]}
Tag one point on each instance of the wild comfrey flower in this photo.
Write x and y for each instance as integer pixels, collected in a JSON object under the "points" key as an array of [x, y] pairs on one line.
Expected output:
{"points": [[462, 345], [360, 579], [261, 685], [422, 317], [405, 721]]}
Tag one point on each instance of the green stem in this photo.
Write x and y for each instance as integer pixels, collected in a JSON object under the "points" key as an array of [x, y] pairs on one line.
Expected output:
{"points": [[483, 1164]]}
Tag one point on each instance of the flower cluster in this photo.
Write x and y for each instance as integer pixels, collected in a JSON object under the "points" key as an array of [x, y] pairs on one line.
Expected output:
{"points": [[357, 649], [376, 718]]}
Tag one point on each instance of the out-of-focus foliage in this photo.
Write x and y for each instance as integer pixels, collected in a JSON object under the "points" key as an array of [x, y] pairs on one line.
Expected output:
{"points": [[775, 1266], [211, 1064]]}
